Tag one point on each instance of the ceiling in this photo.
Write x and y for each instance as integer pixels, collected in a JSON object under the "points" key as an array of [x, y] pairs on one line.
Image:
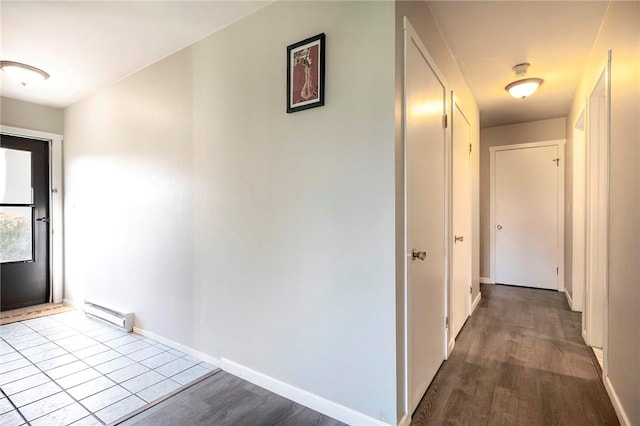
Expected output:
{"points": [[488, 38], [86, 45]]}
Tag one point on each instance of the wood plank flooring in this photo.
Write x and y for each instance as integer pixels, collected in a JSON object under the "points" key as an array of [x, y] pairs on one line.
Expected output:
{"points": [[519, 360], [224, 399]]}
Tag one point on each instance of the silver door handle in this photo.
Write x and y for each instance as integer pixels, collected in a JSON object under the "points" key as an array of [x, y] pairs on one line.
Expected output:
{"points": [[458, 238], [422, 255], [499, 226]]}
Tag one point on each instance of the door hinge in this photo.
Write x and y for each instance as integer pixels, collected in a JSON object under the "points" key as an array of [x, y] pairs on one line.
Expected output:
{"points": [[471, 290], [557, 161], [469, 148], [445, 121], [557, 271], [446, 322]]}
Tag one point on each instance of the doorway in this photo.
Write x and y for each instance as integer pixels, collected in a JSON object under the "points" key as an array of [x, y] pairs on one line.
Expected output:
{"points": [[24, 222], [527, 197], [424, 107], [460, 283]]}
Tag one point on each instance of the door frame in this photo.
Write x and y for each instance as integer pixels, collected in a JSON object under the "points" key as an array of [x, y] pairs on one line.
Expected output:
{"points": [[559, 143], [56, 253], [409, 32], [579, 217], [450, 264], [598, 134]]}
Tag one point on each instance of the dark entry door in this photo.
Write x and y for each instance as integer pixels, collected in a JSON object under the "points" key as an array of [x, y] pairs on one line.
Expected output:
{"points": [[24, 222]]}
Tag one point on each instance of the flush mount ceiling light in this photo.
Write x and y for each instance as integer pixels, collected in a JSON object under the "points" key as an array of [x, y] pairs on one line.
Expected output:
{"points": [[23, 73], [525, 87]]}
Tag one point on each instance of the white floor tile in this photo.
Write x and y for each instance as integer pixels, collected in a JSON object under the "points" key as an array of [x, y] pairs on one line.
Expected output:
{"points": [[46, 405], [142, 381], [90, 351], [158, 360], [112, 334], [105, 398], [158, 390], [37, 349], [190, 374], [132, 347], [45, 355], [62, 334], [76, 342], [208, 366], [120, 409], [63, 416], [121, 341], [26, 383], [56, 362], [12, 418], [102, 357], [127, 373], [88, 421], [65, 370], [8, 357], [5, 405], [113, 365], [18, 374], [26, 337], [5, 348], [177, 353], [5, 367], [145, 353], [78, 378], [91, 387], [30, 343], [34, 394], [163, 347], [192, 359], [174, 367]]}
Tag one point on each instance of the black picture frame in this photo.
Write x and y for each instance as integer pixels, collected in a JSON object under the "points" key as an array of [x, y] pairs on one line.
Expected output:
{"points": [[305, 74]]}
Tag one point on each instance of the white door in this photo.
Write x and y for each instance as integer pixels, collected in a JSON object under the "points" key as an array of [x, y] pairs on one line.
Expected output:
{"points": [[526, 217], [460, 298], [424, 107]]}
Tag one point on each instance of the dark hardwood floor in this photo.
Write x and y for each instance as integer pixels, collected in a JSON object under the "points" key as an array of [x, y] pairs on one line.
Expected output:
{"points": [[519, 360], [224, 399]]}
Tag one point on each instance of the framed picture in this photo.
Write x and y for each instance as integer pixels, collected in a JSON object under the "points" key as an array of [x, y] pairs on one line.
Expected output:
{"points": [[305, 74]]}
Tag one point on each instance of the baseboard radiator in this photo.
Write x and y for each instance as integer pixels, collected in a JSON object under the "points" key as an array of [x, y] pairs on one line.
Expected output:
{"points": [[122, 320]]}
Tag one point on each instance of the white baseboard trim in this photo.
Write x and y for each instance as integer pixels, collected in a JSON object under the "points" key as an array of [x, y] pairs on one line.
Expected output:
{"points": [[569, 299], [452, 344], [315, 402], [617, 405], [178, 346], [584, 337], [405, 420], [484, 280], [475, 303]]}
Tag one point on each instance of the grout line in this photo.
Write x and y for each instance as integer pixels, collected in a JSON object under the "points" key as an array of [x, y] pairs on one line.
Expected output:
{"points": [[14, 406], [160, 400], [136, 394]]}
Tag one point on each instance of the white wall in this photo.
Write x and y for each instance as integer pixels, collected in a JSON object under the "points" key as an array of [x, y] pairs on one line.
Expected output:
{"points": [[534, 131], [620, 32], [25, 115], [241, 231]]}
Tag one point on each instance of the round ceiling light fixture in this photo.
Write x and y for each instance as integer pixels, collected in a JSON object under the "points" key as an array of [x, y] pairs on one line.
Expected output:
{"points": [[23, 73], [525, 87]]}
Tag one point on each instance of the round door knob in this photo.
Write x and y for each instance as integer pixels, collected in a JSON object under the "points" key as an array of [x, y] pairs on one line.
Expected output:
{"points": [[499, 226], [415, 254]]}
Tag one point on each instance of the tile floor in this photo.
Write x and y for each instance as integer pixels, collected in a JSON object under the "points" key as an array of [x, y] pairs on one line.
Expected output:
{"points": [[70, 369]]}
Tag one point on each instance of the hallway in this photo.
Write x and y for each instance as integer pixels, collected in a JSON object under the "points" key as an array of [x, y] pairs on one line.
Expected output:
{"points": [[519, 359]]}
